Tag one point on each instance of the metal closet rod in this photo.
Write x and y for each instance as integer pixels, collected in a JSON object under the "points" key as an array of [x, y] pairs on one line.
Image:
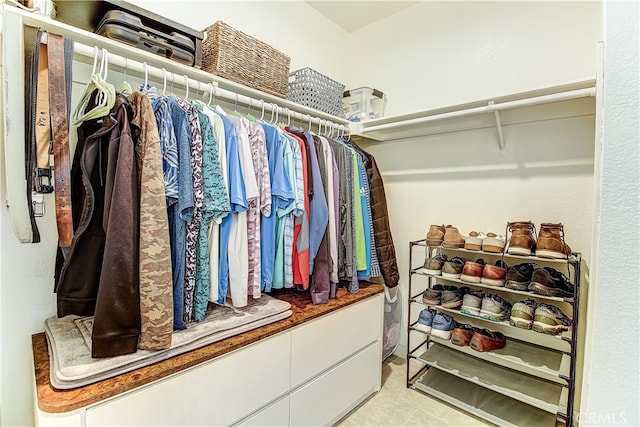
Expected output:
{"points": [[324, 126], [489, 108]]}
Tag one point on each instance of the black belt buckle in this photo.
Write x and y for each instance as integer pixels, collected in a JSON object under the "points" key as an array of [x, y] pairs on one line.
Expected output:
{"points": [[43, 180]]}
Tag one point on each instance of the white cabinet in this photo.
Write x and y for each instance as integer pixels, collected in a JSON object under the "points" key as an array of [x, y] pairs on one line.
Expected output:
{"points": [[275, 414], [330, 339], [311, 374], [220, 392], [329, 397]]}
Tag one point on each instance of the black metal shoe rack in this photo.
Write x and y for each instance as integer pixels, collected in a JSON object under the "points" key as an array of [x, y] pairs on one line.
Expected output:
{"points": [[532, 380]]}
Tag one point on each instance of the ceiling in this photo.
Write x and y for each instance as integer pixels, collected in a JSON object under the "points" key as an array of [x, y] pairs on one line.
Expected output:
{"points": [[353, 15]]}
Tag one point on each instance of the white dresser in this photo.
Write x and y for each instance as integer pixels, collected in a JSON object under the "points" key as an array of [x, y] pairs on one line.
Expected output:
{"points": [[310, 374]]}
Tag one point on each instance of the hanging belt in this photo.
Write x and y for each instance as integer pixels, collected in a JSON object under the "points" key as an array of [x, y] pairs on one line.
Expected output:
{"points": [[42, 126], [60, 131]]}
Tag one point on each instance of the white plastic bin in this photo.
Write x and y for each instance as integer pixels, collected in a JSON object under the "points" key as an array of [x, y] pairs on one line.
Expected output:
{"points": [[363, 103]]}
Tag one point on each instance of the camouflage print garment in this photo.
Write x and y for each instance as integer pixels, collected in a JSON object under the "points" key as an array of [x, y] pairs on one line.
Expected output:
{"points": [[156, 286]]}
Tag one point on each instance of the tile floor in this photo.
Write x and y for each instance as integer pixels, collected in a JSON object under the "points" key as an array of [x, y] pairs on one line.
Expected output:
{"points": [[396, 405]]}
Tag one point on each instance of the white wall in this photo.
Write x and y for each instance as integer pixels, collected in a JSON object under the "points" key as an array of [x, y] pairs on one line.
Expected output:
{"points": [[612, 374], [26, 293], [293, 27], [431, 54], [444, 53]]}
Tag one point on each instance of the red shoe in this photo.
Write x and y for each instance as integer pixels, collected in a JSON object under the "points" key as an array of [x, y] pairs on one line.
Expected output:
{"points": [[486, 340]]}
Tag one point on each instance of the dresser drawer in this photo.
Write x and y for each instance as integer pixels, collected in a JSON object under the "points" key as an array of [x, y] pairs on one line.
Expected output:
{"points": [[220, 392], [332, 395], [276, 414], [321, 343]]}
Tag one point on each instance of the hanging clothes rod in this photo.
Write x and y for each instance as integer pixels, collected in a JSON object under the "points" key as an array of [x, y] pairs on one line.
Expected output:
{"points": [[489, 108], [210, 87]]}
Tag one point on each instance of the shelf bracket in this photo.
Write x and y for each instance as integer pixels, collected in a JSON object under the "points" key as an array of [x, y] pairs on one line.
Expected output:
{"points": [[498, 126]]}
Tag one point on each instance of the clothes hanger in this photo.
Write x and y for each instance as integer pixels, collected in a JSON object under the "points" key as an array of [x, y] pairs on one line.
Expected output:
{"points": [[249, 115], [125, 87], [274, 110], [91, 86], [235, 108], [262, 116], [186, 95], [105, 96], [164, 81], [211, 95]]}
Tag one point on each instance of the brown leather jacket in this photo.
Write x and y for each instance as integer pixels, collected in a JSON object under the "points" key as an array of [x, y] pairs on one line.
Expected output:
{"points": [[384, 242], [100, 274]]}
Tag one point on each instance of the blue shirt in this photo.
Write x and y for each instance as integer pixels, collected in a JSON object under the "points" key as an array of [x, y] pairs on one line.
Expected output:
{"points": [[168, 143], [180, 213], [237, 200], [281, 197], [319, 210]]}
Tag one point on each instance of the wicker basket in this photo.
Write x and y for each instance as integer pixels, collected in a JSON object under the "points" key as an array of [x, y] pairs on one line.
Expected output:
{"points": [[312, 89], [236, 56]]}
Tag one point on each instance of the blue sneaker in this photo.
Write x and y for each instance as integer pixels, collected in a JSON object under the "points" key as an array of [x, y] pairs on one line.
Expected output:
{"points": [[425, 319], [442, 326]]}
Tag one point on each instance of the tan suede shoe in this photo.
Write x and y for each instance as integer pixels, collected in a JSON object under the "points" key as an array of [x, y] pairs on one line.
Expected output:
{"points": [[551, 242], [435, 235], [523, 240], [453, 238]]}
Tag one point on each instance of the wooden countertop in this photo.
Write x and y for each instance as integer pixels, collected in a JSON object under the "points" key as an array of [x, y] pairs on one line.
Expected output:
{"points": [[56, 401]]}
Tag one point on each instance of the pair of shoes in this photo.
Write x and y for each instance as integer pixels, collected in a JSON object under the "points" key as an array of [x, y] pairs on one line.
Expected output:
{"points": [[481, 272], [452, 268], [495, 308], [447, 296], [494, 275], [550, 242], [523, 238], [448, 237], [542, 317], [434, 264], [425, 320], [478, 241], [462, 334], [443, 325], [486, 340], [550, 282], [550, 320], [518, 277], [471, 302]]}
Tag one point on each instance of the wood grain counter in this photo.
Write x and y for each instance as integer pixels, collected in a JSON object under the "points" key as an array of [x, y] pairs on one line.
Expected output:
{"points": [[57, 401]]}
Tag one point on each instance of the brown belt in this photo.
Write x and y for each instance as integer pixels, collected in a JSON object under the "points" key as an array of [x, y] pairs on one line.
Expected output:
{"points": [[43, 126], [60, 131]]}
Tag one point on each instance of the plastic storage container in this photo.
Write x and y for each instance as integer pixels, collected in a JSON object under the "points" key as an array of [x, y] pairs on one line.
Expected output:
{"points": [[363, 103]]}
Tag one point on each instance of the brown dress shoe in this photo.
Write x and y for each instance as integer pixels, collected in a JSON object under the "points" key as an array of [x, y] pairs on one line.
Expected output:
{"points": [[435, 235], [472, 271], [523, 240], [486, 340], [453, 238], [462, 334], [494, 275], [551, 242]]}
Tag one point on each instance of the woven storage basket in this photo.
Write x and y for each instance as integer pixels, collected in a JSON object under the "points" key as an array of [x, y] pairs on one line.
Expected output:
{"points": [[312, 89], [234, 55]]}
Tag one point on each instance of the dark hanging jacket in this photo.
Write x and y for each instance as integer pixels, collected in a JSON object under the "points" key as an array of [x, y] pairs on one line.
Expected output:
{"points": [[384, 242], [100, 274]]}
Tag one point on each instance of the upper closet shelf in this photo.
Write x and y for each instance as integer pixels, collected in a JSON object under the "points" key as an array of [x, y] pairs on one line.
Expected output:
{"points": [[570, 99], [131, 58]]}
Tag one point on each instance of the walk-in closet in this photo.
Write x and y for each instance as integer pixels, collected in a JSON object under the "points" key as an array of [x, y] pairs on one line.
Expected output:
{"points": [[233, 242]]}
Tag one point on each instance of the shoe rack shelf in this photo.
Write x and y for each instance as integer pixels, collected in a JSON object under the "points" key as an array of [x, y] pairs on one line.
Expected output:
{"points": [[531, 381]]}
